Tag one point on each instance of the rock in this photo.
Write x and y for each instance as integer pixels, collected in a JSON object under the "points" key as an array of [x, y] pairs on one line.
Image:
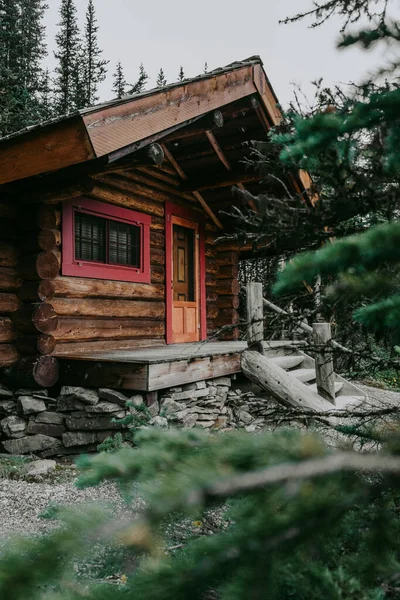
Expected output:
{"points": [[170, 407], [50, 417], [200, 385], [13, 425], [7, 407], [69, 403], [104, 407], [30, 405], [224, 381], [5, 392], [176, 390], [245, 417], [212, 390], [91, 423], [45, 428], [71, 450], [160, 422], [221, 423], [154, 408], [79, 438], [251, 428], [41, 468], [32, 443], [205, 424], [84, 395], [189, 421], [36, 393], [136, 400], [113, 396], [190, 386], [188, 395]]}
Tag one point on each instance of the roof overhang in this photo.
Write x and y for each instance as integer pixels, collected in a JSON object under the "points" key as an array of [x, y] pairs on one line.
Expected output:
{"points": [[100, 132]]}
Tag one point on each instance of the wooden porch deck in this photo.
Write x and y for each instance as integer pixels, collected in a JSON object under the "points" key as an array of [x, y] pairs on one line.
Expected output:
{"points": [[152, 369]]}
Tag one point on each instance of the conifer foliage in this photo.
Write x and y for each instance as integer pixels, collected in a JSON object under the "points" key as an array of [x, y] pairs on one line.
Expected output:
{"points": [[68, 92], [94, 66], [140, 84], [120, 84], [161, 79]]}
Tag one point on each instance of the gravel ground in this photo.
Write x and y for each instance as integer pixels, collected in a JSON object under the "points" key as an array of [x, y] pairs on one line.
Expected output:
{"points": [[21, 503]]}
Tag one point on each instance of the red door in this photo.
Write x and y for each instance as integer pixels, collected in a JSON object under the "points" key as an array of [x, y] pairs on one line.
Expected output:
{"points": [[185, 266]]}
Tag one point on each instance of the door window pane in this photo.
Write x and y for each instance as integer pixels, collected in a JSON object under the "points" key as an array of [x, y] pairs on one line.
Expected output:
{"points": [[184, 264]]}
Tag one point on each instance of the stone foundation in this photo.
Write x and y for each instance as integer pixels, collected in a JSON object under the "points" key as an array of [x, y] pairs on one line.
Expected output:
{"points": [[79, 419]]}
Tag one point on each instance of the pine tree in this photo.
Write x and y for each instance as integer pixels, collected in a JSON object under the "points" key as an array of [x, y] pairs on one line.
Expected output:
{"points": [[94, 66], [68, 55], [22, 49], [205, 70], [140, 85], [181, 76], [46, 100], [120, 83], [161, 80]]}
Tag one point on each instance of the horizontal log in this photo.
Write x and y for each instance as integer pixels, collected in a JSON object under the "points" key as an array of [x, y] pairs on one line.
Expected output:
{"points": [[74, 349], [227, 258], [8, 355], [210, 280], [76, 287], [227, 316], [227, 287], [212, 266], [212, 311], [48, 217], [9, 303], [80, 328], [149, 182], [157, 256], [108, 308], [211, 295], [34, 372], [157, 274], [8, 208], [63, 191], [8, 254], [123, 198], [49, 239], [157, 239], [7, 330], [127, 185], [45, 265], [157, 224], [228, 302], [228, 272], [34, 318], [8, 229], [9, 280], [34, 291], [34, 344]]}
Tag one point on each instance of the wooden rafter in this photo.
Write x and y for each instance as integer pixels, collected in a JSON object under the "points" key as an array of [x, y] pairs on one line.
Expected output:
{"points": [[196, 194], [218, 150]]}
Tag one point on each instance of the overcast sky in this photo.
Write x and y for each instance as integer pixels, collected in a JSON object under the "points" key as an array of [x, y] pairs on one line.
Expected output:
{"points": [[183, 32]]}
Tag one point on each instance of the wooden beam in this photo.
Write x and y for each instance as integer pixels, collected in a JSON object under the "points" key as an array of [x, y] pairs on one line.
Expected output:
{"points": [[208, 210], [196, 194], [255, 313], [218, 150], [194, 185]]}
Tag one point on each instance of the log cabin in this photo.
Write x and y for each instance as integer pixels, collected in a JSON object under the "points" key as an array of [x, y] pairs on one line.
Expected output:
{"points": [[110, 274]]}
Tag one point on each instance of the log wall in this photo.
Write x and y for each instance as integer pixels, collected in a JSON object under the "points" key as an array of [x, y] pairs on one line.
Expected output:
{"points": [[10, 282], [55, 315]]}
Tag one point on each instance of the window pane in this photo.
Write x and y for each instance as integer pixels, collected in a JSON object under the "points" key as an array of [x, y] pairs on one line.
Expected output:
{"points": [[90, 237], [124, 244]]}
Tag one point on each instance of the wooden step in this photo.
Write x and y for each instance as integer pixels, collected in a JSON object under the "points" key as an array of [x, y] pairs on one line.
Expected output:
{"points": [[304, 375], [338, 387], [287, 362]]}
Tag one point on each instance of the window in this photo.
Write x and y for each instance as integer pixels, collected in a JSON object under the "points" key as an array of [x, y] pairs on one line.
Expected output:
{"points": [[105, 242]]}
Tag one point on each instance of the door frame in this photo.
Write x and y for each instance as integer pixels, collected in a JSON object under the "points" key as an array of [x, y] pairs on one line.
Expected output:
{"points": [[176, 210]]}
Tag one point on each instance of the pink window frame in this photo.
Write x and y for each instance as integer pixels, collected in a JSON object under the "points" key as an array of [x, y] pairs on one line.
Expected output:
{"points": [[97, 270]]}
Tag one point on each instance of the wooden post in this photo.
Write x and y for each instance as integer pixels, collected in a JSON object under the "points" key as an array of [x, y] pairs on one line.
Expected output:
{"points": [[324, 361], [255, 315]]}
